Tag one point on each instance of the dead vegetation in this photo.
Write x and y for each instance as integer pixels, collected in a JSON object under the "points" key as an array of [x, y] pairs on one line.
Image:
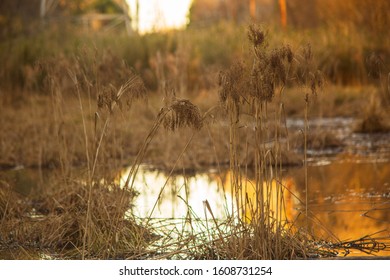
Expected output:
{"points": [[55, 222], [85, 214]]}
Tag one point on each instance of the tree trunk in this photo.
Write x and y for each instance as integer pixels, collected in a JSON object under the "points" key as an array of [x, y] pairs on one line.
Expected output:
{"points": [[42, 12], [252, 9], [283, 13]]}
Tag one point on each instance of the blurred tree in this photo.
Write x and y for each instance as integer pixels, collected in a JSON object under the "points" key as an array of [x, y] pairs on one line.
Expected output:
{"points": [[238, 10], [283, 13], [47, 6], [16, 16], [234, 10], [252, 9], [81, 6], [366, 15], [302, 13], [206, 11], [106, 6]]}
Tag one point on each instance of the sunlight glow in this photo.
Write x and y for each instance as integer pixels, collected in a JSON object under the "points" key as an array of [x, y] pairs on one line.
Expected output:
{"points": [[159, 15]]}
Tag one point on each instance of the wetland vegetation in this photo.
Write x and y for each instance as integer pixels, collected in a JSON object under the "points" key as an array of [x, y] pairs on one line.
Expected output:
{"points": [[227, 140]]}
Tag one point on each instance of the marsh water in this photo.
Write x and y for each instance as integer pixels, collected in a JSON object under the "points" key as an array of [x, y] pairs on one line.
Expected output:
{"points": [[348, 188], [348, 199]]}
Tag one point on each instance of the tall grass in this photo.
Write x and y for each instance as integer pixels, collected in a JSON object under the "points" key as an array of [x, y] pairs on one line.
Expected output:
{"points": [[82, 213], [90, 211], [252, 96], [342, 53], [90, 215]]}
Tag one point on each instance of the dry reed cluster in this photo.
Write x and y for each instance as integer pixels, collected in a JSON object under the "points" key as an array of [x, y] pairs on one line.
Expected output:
{"points": [[259, 228], [79, 217], [55, 223], [178, 113], [90, 217]]}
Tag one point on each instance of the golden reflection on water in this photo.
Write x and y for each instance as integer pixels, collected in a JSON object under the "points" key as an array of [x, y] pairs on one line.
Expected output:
{"points": [[178, 196], [175, 197], [350, 199], [277, 199], [347, 200]]}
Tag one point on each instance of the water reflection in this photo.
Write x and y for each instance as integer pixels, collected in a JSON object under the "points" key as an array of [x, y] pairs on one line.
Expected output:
{"points": [[174, 197], [351, 199], [347, 199], [181, 196]]}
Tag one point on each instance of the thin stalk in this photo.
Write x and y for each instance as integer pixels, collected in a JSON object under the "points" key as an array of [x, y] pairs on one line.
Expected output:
{"points": [[305, 160], [169, 176], [133, 171], [89, 183], [218, 165], [233, 157]]}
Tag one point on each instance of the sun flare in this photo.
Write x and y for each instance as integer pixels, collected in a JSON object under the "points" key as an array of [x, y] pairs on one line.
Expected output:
{"points": [[158, 15]]}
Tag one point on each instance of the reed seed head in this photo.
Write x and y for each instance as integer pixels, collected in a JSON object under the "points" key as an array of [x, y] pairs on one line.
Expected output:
{"points": [[232, 83], [256, 35], [375, 65], [132, 89], [179, 113]]}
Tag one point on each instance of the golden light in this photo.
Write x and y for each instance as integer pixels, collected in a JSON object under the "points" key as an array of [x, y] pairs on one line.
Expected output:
{"points": [[159, 15]]}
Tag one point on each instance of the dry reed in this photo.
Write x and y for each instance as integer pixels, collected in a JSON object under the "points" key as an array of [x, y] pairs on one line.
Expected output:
{"points": [[261, 230], [90, 218], [87, 219]]}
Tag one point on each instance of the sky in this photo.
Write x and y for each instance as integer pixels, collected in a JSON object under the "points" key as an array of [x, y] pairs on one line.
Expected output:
{"points": [[157, 15]]}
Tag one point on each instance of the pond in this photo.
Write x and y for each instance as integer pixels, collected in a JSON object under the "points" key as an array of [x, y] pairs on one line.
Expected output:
{"points": [[348, 189], [348, 199]]}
